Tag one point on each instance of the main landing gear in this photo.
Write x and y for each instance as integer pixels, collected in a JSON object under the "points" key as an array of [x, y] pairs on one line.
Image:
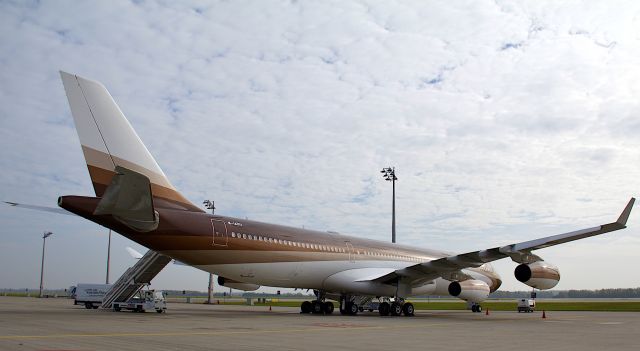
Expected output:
{"points": [[352, 305], [396, 308], [318, 306], [347, 307], [476, 308]]}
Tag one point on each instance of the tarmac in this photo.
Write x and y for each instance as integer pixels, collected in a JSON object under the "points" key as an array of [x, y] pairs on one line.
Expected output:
{"points": [[56, 324]]}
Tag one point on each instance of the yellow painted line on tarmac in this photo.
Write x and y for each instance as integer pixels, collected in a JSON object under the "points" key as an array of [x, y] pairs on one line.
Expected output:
{"points": [[213, 333]]}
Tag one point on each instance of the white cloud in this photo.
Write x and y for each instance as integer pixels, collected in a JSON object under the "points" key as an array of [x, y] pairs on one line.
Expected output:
{"points": [[505, 120]]}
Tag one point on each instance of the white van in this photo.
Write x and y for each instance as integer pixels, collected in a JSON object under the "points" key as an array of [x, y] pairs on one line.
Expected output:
{"points": [[90, 295]]}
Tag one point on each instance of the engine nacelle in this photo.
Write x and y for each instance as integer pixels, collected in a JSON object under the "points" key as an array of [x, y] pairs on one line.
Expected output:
{"points": [[540, 275], [470, 290], [237, 285]]}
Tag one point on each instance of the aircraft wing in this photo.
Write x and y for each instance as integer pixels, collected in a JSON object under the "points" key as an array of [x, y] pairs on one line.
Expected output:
{"points": [[450, 267]]}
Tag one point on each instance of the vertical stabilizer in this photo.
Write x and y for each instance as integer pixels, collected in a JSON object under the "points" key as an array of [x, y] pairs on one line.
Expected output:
{"points": [[108, 141]]}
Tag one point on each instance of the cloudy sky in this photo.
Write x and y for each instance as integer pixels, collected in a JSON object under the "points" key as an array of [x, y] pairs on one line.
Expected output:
{"points": [[505, 120]]}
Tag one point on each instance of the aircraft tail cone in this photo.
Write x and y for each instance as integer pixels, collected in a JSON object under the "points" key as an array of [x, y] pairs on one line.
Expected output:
{"points": [[544, 315]]}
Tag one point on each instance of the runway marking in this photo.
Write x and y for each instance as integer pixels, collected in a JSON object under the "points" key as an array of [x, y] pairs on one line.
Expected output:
{"points": [[222, 332], [340, 325], [610, 323]]}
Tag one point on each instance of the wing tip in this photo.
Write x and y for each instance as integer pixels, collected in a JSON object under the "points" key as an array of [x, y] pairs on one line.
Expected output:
{"points": [[624, 216]]}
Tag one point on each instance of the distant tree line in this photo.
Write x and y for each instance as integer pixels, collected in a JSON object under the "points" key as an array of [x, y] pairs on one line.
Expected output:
{"points": [[619, 293]]}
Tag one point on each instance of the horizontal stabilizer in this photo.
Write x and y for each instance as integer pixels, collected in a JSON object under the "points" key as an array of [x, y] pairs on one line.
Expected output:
{"points": [[39, 208], [135, 254], [128, 199]]}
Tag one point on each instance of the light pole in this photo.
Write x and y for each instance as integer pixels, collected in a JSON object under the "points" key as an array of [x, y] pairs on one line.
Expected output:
{"points": [[389, 174], [210, 205], [44, 242], [108, 257]]}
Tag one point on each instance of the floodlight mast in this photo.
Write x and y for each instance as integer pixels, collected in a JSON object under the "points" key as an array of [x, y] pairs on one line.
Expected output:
{"points": [[389, 174], [210, 205], [44, 242], [108, 257]]}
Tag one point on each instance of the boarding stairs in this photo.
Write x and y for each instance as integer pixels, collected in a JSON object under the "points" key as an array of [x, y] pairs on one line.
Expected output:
{"points": [[362, 300], [135, 278]]}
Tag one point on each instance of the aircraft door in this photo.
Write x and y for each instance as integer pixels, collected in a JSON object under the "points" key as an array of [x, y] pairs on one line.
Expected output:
{"points": [[352, 256], [219, 229]]}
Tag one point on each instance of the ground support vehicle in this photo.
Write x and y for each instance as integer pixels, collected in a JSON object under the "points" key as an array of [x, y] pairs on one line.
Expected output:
{"points": [[89, 295], [149, 300], [526, 305]]}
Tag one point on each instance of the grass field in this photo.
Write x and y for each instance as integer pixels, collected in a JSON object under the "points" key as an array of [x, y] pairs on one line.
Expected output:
{"points": [[493, 305], [609, 306]]}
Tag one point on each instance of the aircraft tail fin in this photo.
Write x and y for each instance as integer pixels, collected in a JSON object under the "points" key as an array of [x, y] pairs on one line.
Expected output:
{"points": [[108, 140]]}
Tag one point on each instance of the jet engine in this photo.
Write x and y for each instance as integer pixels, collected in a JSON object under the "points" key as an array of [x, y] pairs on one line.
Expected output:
{"points": [[540, 275], [237, 285], [470, 290]]}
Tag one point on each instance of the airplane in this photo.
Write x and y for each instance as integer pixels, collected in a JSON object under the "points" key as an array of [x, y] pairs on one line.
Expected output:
{"points": [[134, 198]]}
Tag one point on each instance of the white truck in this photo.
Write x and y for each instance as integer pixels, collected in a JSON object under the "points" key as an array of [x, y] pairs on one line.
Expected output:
{"points": [[526, 305], [90, 295], [148, 300]]}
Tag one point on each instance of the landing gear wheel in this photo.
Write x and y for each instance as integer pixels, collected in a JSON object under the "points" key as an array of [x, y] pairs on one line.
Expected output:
{"points": [[343, 311], [352, 308], [88, 305], [384, 309], [316, 307], [328, 307], [478, 308], [305, 307], [396, 309], [474, 308], [408, 309], [343, 305]]}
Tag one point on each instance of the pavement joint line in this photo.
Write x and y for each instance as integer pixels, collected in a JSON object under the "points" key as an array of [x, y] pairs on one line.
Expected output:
{"points": [[222, 332]]}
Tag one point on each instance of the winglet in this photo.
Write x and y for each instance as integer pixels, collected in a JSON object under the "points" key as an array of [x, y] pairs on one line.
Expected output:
{"points": [[625, 213]]}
